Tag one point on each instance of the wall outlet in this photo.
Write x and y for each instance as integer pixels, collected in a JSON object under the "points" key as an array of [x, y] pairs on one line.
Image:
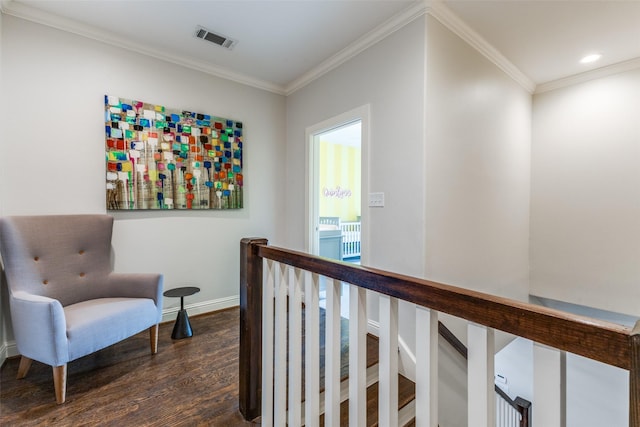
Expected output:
{"points": [[376, 200]]}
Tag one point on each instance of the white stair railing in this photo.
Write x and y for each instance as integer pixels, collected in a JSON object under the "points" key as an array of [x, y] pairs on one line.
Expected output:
{"points": [[278, 298], [506, 414]]}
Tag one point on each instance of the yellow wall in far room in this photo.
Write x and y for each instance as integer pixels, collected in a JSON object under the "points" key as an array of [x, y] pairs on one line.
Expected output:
{"points": [[339, 180]]}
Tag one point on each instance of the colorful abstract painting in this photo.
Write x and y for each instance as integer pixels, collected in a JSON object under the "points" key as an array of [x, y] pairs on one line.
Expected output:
{"points": [[159, 158]]}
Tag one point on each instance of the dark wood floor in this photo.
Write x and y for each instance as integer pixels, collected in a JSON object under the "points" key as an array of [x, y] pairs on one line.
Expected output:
{"points": [[190, 382]]}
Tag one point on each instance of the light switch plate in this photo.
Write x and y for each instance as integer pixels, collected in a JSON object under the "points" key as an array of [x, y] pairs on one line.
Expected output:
{"points": [[376, 200]]}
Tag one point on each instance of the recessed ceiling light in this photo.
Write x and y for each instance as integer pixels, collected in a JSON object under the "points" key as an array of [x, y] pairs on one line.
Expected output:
{"points": [[590, 58]]}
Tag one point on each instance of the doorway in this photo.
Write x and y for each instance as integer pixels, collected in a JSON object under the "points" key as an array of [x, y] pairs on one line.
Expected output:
{"points": [[337, 180], [338, 193]]}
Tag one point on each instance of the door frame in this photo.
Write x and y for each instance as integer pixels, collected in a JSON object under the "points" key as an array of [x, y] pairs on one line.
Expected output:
{"points": [[312, 184]]}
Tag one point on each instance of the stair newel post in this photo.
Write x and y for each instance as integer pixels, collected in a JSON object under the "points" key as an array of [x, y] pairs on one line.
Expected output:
{"points": [[250, 359], [524, 407], [634, 378]]}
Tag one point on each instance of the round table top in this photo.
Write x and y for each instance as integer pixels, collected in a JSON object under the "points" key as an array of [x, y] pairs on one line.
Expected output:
{"points": [[181, 292]]}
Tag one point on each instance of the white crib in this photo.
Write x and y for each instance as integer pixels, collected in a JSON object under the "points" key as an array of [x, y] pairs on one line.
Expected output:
{"points": [[350, 239], [350, 231]]}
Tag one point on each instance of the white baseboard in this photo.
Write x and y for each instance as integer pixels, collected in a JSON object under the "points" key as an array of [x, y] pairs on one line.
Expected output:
{"points": [[9, 349], [170, 314], [406, 358], [3, 353]]}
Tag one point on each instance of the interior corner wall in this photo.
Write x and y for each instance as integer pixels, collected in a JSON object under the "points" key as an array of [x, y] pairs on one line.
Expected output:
{"points": [[477, 182], [53, 159], [478, 148], [585, 201]]}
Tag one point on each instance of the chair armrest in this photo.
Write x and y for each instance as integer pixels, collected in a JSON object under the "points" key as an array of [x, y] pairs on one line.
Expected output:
{"points": [[137, 285], [36, 320]]}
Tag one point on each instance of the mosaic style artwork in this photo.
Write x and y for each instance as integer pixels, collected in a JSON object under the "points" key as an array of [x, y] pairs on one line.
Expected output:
{"points": [[159, 158]]}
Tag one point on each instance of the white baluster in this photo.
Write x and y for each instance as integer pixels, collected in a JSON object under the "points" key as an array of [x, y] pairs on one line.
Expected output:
{"points": [[267, 344], [426, 367], [295, 347], [312, 350], [549, 387], [332, 355], [480, 376], [388, 367], [357, 356], [280, 365]]}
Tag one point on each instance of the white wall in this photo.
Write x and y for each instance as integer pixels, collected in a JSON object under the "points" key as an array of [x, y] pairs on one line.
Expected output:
{"points": [[478, 124], [596, 394], [477, 170], [585, 201], [391, 80], [53, 157], [455, 176]]}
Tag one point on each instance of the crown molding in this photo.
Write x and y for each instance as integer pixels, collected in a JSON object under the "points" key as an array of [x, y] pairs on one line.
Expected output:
{"points": [[3, 5], [22, 11], [443, 14], [436, 8], [598, 73], [440, 12], [385, 29]]}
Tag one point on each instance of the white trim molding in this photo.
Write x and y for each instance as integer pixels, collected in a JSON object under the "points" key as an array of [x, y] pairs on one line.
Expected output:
{"points": [[28, 13], [169, 314], [9, 349], [598, 73], [443, 14], [372, 37], [436, 8], [406, 357]]}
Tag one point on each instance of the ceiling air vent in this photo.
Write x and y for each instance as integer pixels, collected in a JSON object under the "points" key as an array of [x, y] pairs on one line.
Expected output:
{"points": [[220, 40]]}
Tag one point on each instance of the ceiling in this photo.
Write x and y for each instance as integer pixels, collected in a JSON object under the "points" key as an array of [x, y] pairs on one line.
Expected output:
{"points": [[282, 45]]}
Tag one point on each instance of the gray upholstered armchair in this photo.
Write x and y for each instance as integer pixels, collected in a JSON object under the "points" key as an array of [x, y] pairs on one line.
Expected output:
{"points": [[64, 299]]}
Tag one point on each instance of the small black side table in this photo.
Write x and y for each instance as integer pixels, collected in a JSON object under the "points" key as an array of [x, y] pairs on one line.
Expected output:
{"points": [[182, 328]]}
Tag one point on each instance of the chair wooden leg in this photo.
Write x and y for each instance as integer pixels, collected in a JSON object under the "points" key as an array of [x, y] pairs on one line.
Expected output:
{"points": [[23, 369], [60, 382], [153, 338]]}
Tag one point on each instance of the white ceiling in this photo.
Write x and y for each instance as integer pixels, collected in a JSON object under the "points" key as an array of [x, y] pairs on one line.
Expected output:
{"points": [[283, 44], [546, 39]]}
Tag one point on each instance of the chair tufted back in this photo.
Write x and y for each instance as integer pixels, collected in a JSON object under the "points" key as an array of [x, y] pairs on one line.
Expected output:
{"points": [[66, 257]]}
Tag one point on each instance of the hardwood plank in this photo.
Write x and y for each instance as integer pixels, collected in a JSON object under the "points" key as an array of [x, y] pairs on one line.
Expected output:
{"points": [[188, 382]]}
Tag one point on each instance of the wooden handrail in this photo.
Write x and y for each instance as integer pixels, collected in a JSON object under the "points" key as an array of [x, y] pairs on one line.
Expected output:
{"points": [[250, 374], [598, 340], [525, 410], [452, 339], [595, 339]]}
